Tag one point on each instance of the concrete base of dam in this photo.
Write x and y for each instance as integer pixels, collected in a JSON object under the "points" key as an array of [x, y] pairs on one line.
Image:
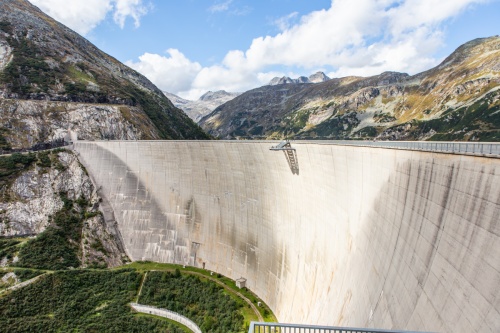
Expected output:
{"points": [[358, 236]]}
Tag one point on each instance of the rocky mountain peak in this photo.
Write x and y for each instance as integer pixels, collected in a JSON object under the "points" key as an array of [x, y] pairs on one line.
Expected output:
{"points": [[314, 78], [215, 95], [281, 80], [318, 77]]}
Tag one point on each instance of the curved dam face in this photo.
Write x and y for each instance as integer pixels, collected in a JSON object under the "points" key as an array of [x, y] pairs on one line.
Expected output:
{"points": [[355, 236]]}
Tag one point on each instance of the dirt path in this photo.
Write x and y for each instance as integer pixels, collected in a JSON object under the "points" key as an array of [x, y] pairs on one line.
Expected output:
{"points": [[140, 288]]}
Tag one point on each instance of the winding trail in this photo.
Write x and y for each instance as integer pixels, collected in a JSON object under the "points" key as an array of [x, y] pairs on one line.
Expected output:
{"points": [[140, 288], [22, 284]]}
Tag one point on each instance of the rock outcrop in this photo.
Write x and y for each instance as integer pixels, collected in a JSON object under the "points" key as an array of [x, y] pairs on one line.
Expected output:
{"points": [[32, 197], [29, 122]]}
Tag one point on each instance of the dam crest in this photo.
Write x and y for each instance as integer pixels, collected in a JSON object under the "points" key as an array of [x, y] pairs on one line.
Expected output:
{"points": [[355, 236]]}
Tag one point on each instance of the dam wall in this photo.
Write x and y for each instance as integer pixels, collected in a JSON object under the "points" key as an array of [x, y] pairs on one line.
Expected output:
{"points": [[358, 236]]}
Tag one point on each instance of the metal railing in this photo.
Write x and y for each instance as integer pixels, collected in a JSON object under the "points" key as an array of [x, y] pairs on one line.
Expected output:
{"points": [[260, 327], [490, 149]]}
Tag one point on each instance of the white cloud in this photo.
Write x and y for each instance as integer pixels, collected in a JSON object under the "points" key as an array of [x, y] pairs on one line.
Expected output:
{"points": [[125, 8], [220, 6], [226, 7], [412, 14], [283, 23], [223, 78], [352, 37], [84, 15], [174, 73], [81, 16]]}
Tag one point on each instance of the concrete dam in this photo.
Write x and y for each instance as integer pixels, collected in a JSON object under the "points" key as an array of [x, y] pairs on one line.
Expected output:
{"points": [[353, 236]]}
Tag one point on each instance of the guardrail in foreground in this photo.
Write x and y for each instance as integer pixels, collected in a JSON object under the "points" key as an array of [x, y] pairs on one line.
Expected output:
{"points": [[260, 327]]}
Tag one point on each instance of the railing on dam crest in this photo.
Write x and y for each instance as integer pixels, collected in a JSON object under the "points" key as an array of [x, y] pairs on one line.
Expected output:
{"points": [[490, 149], [260, 327]]}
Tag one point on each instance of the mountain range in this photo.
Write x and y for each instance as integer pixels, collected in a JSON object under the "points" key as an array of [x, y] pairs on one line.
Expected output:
{"points": [[209, 101], [457, 100]]}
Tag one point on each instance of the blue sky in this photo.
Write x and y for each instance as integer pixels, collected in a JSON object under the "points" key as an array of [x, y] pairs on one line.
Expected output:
{"points": [[189, 47]]}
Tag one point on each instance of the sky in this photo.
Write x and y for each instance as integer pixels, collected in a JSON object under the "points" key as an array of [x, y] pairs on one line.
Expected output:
{"points": [[189, 47]]}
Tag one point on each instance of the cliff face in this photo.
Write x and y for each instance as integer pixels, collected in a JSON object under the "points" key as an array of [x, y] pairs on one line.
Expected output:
{"points": [[28, 122], [42, 60], [34, 195], [36, 188], [457, 100]]}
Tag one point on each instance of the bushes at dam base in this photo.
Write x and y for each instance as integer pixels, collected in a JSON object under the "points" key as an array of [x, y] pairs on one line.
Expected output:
{"points": [[86, 301], [97, 301], [203, 302]]}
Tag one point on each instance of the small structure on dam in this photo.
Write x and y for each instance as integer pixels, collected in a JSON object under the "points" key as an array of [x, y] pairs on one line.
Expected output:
{"points": [[365, 237], [290, 155], [241, 282]]}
